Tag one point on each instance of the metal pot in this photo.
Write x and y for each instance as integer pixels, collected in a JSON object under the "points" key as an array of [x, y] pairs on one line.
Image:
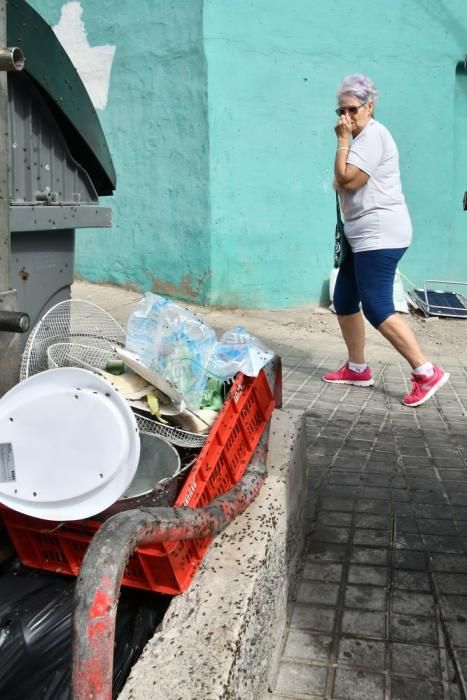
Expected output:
{"points": [[155, 481]]}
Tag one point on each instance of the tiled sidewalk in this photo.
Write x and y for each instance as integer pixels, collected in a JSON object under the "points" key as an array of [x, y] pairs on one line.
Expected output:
{"points": [[381, 607]]}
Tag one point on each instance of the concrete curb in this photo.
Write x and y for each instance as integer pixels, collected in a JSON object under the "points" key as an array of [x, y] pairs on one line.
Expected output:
{"points": [[222, 639]]}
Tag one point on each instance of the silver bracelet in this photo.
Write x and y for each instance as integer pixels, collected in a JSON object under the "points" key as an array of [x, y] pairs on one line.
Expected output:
{"points": [[343, 148]]}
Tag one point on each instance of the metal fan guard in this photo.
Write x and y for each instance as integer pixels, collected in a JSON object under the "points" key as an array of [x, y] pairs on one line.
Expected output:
{"points": [[77, 355], [71, 321]]}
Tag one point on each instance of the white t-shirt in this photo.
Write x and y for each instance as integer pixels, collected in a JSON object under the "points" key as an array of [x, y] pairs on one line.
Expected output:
{"points": [[376, 215]]}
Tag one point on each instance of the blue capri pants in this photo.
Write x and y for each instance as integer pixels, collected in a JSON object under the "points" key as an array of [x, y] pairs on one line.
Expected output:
{"points": [[367, 277]]}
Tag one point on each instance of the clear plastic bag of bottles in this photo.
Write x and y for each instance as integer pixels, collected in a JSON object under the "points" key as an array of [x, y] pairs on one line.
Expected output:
{"points": [[182, 346], [173, 342], [238, 351], [142, 326]]}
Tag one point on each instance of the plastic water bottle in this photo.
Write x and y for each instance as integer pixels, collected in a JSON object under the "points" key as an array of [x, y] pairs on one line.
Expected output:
{"points": [[142, 327]]}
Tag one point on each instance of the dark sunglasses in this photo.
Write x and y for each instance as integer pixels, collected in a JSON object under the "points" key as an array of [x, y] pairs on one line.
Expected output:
{"points": [[351, 110]]}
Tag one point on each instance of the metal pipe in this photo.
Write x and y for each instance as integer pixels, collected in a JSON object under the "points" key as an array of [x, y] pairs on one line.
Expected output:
{"points": [[98, 584], [14, 321], [12, 59]]}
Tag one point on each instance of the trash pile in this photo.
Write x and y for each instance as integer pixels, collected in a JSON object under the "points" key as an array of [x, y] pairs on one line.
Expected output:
{"points": [[105, 420], [104, 409], [179, 354]]}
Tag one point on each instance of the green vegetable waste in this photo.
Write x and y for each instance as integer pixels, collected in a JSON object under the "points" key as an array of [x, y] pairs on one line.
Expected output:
{"points": [[213, 395], [115, 367]]}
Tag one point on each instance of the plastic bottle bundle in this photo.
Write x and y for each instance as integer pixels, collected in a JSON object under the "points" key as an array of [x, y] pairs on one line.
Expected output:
{"points": [[181, 349], [142, 326], [238, 351]]}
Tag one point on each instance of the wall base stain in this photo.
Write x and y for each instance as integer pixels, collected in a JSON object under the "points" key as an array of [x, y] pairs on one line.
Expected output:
{"points": [[187, 289]]}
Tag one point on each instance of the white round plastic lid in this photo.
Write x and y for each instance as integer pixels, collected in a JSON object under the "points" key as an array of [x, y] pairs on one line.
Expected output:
{"points": [[69, 445]]}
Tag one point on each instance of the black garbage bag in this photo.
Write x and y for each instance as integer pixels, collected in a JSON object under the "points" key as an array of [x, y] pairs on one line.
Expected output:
{"points": [[35, 633]]}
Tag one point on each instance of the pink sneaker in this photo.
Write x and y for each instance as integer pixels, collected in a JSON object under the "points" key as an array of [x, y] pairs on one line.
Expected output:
{"points": [[424, 387], [344, 375]]}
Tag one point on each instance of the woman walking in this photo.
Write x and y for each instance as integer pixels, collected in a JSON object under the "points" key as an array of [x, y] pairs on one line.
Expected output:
{"points": [[378, 228]]}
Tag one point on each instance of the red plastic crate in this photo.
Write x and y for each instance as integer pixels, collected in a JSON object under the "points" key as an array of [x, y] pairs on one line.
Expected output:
{"points": [[165, 568]]}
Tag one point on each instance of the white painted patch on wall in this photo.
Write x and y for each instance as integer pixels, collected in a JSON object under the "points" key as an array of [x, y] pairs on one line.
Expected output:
{"points": [[93, 63]]}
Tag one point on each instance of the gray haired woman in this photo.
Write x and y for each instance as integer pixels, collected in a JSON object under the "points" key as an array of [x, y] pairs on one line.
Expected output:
{"points": [[378, 228]]}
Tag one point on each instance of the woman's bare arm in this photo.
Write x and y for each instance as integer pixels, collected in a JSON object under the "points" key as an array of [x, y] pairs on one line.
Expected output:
{"points": [[348, 177]]}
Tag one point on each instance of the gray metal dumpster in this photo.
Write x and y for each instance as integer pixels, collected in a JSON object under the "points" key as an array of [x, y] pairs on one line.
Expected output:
{"points": [[58, 165]]}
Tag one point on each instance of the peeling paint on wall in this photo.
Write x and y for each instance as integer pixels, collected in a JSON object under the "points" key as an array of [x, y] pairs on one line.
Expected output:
{"points": [[187, 289], [93, 63]]}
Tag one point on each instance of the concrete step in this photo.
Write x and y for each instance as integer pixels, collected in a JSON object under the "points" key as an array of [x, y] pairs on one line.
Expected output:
{"points": [[224, 636]]}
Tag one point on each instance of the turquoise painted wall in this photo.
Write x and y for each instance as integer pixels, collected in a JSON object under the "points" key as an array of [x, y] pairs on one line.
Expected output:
{"points": [[156, 126], [273, 70], [220, 121]]}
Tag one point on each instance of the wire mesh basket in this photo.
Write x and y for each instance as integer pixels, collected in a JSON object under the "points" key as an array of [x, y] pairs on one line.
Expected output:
{"points": [[77, 355], [176, 436], [72, 321]]}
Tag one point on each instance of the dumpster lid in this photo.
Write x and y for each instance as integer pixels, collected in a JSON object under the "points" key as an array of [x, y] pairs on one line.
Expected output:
{"points": [[48, 64]]}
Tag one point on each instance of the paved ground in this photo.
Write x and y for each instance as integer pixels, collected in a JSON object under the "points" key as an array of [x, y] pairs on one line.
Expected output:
{"points": [[381, 607], [381, 610]]}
